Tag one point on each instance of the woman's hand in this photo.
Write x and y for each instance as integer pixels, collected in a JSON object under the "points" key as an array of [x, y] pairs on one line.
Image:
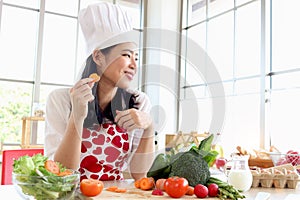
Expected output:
{"points": [[81, 94], [132, 119]]}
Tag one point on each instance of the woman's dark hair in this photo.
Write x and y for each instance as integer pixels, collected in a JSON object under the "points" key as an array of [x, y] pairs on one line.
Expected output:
{"points": [[122, 100]]}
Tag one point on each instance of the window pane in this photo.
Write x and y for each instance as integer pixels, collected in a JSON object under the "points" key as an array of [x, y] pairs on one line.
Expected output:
{"points": [[240, 2], [193, 75], [196, 11], [284, 119], [201, 116], [283, 81], [216, 7], [15, 103], [248, 40], [286, 40], [198, 34], [67, 7], [27, 3], [220, 44], [247, 86], [38, 133], [18, 45], [242, 121], [58, 60]]}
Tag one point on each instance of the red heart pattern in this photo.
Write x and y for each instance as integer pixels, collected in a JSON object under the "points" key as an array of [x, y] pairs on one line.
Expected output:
{"points": [[111, 153], [117, 141], [111, 131], [99, 140], [104, 151], [98, 151]]}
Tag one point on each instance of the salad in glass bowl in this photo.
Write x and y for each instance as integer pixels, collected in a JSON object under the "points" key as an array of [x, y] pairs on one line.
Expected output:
{"points": [[36, 177]]}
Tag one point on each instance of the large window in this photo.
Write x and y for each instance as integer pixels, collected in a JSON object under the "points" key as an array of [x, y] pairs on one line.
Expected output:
{"points": [[41, 50], [253, 45]]}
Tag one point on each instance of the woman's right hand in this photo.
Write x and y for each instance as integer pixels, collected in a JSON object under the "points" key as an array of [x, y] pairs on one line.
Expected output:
{"points": [[81, 94]]}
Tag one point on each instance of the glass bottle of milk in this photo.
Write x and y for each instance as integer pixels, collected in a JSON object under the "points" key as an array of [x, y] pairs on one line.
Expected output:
{"points": [[240, 175]]}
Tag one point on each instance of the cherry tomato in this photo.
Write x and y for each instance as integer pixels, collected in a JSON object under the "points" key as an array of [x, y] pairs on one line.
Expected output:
{"points": [[91, 187], [213, 190], [176, 187], [201, 191]]}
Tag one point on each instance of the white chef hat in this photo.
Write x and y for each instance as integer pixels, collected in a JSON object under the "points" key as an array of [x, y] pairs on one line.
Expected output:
{"points": [[105, 24]]}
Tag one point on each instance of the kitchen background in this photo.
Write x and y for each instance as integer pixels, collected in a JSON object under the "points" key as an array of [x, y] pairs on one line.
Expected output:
{"points": [[253, 45]]}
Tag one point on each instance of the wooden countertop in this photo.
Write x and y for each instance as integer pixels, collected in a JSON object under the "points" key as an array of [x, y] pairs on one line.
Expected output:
{"points": [[133, 193]]}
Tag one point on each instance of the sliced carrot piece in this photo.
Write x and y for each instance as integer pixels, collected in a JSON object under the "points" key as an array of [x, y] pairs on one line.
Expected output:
{"points": [[65, 173], [112, 188], [121, 190], [52, 166], [147, 183], [95, 77], [190, 191]]}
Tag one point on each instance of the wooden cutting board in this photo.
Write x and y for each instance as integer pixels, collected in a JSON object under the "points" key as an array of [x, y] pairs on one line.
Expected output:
{"points": [[134, 193]]}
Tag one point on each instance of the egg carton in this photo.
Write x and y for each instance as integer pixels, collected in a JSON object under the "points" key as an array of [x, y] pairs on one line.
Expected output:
{"points": [[275, 177]]}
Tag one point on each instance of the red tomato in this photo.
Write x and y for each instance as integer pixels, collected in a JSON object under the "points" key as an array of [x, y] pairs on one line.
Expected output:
{"points": [[201, 191], [176, 187], [91, 187]]}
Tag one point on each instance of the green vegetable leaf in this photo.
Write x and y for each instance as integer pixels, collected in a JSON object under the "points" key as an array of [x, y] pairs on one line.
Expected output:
{"points": [[37, 181], [24, 165], [205, 144]]}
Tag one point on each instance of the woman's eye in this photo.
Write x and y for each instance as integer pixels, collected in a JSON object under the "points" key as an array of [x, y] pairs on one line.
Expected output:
{"points": [[125, 54]]}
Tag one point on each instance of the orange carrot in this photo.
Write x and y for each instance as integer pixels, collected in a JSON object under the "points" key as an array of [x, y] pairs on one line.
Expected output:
{"points": [[95, 77], [52, 167], [159, 184], [190, 191], [147, 183], [112, 188], [121, 190], [116, 189]]}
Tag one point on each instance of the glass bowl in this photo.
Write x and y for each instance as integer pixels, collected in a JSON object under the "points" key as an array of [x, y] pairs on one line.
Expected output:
{"points": [[46, 187]]}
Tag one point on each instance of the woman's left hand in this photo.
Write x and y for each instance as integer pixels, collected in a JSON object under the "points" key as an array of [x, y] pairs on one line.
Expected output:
{"points": [[132, 119]]}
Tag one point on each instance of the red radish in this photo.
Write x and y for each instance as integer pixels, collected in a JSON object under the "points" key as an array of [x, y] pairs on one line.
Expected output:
{"points": [[220, 162], [201, 191], [213, 190], [157, 192]]}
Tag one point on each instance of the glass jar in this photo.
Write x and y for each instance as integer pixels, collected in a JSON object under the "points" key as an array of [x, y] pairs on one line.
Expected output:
{"points": [[240, 175]]}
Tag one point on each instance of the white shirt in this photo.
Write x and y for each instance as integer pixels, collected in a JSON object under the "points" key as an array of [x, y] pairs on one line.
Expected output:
{"points": [[58, 109]]}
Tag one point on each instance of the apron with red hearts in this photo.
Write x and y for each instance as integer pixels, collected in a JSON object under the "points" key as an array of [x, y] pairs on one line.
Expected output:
{"points": [[104, 152]]}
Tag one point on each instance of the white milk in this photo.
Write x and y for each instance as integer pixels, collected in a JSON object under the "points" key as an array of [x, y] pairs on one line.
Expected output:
{"points": [[240, 179]]}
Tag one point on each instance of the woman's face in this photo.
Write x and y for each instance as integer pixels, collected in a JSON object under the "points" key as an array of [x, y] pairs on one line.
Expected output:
{"points": [[120, 65]]}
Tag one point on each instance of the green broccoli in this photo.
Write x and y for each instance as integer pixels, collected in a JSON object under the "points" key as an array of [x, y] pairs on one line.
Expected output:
{"points": [[191, 166]]}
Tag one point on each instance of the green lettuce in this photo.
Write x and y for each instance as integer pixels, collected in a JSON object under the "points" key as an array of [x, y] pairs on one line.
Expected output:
{"points": [[35, 180]]}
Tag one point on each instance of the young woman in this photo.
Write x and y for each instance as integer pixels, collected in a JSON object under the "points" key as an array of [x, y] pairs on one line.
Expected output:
{"points": [[101, 128]]}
